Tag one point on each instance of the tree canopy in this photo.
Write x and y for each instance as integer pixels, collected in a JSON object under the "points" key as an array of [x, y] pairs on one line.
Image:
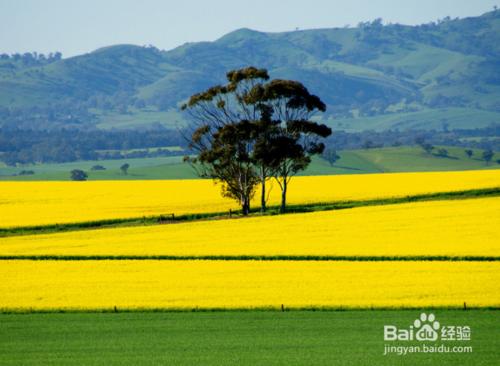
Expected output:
{"points": [[78, 175]]}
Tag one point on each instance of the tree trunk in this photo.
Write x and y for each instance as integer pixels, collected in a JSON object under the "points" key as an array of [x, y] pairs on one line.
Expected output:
{"points": [[283, 196], [263, 193], [245, 206]]}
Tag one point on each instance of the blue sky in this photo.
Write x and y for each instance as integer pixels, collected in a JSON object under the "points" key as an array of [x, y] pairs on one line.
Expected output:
{"points": [[74, 27]]}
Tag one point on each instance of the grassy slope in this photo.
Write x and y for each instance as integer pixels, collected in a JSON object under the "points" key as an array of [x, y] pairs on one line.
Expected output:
{"points": [[396, 159], [334, 63], [106, 70], [142, 168], [140, 118], [402, 159], [393, 159], [426, 119], [230, 338]]}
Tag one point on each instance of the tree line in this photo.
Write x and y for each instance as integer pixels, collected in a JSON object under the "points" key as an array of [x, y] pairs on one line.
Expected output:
{"points": [[31, 58], [25, 146], [480, 138], [253, 129], [66, 145]]}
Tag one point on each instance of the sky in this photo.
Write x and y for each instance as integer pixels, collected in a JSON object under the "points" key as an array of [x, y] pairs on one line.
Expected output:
{"points": [[79, 26]]}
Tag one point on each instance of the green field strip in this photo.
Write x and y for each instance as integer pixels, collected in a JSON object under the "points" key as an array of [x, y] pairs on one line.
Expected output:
{"points": [[410, 258], [229, 337], [271, 308], [272, 210]]}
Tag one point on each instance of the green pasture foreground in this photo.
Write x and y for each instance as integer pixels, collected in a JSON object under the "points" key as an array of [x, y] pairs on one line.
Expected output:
{"points": [[235, 338]]}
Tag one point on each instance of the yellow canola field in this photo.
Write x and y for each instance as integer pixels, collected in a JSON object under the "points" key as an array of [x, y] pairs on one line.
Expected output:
{"points": [[248, 284], [454, 228], [42, 203]]}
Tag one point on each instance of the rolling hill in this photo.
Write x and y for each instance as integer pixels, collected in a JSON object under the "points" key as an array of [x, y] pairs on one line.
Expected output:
{"points": [[372, 76]]}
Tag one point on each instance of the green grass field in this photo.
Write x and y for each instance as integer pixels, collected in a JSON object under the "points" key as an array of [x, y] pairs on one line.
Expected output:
{"points": [[234, 338], [141, 168], [390, 159]]}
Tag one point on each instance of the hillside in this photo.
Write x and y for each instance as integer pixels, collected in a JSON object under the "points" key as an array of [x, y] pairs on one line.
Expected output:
{"points": [[373, 76]]}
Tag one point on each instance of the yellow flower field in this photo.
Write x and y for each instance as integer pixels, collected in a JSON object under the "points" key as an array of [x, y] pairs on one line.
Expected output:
{"points": [[41, 203], [236, 284], [453, 228]]}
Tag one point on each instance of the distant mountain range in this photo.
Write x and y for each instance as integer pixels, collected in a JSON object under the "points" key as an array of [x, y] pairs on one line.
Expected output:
{"points": [[432, 76]]}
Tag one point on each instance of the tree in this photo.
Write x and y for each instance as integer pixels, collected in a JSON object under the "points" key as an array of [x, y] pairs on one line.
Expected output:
{"points": [[78, 175], [420, 141], [229, 161], [26, 172], [294, 138], [443, 153], [270, 119], [331, 156], [220, 113], [469, 153], [368, 144], [264, 129], [487, 156], [97, 167], [427, 147], [124, 168]]}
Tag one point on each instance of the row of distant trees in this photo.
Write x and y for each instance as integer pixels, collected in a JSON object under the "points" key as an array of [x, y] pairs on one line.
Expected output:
{"points": [[25, 146], [81, 175], [32, 58], [478, 138], [253, 129], [486, 155], [58, 146]]}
